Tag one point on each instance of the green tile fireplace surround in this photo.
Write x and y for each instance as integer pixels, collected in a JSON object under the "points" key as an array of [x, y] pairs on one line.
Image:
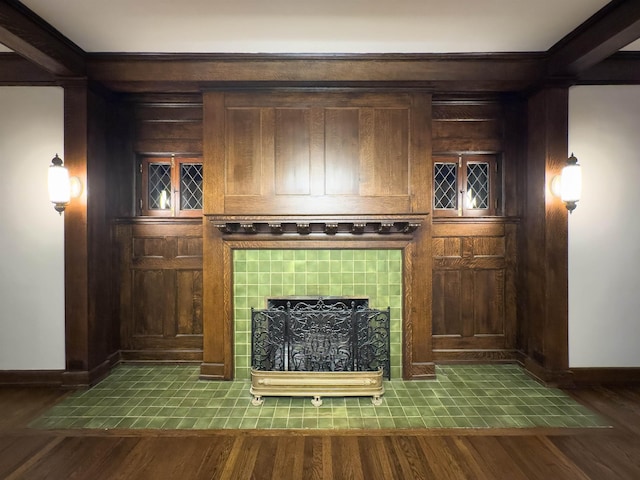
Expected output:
{"points": [[264, 273]]}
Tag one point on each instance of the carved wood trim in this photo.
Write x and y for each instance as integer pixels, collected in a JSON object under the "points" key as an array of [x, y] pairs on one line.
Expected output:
{"points": [[310, 225]]}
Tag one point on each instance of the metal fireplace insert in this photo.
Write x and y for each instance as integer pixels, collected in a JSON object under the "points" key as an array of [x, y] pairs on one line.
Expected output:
{"points": [[319, 335]]}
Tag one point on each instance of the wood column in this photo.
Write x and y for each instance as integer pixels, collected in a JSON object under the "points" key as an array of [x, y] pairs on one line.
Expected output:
{"points": [[544, 244], [89, 337]]}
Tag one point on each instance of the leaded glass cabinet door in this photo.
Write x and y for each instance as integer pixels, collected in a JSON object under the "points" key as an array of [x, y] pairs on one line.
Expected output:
{"points": [[465, 185], [190, 187], [171, 187]]}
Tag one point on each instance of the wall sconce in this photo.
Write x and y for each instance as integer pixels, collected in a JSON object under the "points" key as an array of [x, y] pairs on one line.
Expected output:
{"points": [[61, 187], [568, 185]]}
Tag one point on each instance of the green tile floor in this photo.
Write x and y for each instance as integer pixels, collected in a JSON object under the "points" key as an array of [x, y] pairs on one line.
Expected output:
{"points": [[172, 397]]}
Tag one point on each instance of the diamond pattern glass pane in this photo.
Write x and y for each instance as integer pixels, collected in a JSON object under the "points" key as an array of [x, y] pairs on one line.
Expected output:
{"points": [[445, 182], [191, 186], [159, 186], [477, 186]]}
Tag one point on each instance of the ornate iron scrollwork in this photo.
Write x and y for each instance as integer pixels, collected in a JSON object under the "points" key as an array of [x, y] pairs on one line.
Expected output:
{"points": [[318, 336]]}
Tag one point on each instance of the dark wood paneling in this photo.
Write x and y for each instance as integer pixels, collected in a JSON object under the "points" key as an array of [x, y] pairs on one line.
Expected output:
{"points": [[320, 153], [385, 135], [468, 126], [543, 245], [385, 168], [447, 318], [161, 290], [194, 73], [292, 151], [342, 151], [244, 168], [167, 124], [473, 289]]}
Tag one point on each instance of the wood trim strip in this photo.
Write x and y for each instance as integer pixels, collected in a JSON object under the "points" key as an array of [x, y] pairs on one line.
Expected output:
{"points": [[31, 378], [583, 377]]}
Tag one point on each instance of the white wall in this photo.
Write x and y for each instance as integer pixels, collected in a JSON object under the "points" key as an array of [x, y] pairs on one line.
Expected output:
{"points": [[604, 230], [32, 235]]}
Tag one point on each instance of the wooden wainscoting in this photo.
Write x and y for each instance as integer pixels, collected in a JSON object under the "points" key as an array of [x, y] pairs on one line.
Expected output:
{"points": [[161, 289], [474, 297]]}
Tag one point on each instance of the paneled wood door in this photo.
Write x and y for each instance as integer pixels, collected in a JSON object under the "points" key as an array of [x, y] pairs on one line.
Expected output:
{"points": [[474, 308], [161, 290]]}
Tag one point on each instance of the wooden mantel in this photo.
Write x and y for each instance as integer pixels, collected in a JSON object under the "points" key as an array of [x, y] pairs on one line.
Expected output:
{"points": [[318, 225]]}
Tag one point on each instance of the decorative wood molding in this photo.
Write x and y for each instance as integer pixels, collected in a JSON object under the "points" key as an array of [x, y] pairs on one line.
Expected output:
{"points": [[320, 225]]}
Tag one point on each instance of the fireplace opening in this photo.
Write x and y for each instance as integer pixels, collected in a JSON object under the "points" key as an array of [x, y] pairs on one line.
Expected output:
{"points": [[320, 334], [271, 273]]}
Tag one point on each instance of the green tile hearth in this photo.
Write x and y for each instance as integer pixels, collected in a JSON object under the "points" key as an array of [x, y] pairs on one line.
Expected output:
{"points": [[173, 397]]}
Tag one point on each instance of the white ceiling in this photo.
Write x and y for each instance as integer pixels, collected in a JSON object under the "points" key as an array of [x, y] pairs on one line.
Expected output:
{"points": [[319, 26], [305, 26]]}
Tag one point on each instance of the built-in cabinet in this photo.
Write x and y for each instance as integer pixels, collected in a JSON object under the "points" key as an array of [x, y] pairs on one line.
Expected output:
{"points": [[324, 156]]}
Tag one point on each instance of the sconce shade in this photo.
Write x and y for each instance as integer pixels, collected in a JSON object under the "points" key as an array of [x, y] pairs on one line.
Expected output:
{"points": [[571, 183], [59, 185]]}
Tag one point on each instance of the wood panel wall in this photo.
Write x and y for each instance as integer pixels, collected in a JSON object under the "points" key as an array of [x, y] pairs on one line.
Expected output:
{"points": [[474, 259], [320, 153], [167, 124], [324, 153], [474, 294], [161, 289], [317, 153]]}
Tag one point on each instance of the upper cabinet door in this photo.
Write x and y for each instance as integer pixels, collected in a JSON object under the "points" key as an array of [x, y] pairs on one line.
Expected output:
{"points": [[316, 153]]}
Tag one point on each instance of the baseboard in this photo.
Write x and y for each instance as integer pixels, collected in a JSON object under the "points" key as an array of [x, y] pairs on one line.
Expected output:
{"points": [[590, 376], [550, 378], [475, 356], [31, 378], [161, 356], [88, 378]]}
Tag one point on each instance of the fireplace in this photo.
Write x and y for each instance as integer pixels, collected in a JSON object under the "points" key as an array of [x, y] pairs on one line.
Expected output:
{"points": [[385, 258], [263, 274]]}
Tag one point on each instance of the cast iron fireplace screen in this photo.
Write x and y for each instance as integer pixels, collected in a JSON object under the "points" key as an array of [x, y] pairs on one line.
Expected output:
{"points": [[320, 334]]}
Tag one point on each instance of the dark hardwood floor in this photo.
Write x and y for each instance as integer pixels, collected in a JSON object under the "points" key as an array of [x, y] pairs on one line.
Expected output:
{"points": [[600, 454]]}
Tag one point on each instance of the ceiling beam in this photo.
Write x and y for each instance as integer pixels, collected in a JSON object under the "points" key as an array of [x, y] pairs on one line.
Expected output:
{"points": [[621, 68], [192, 73], [28, 35], [613, 27], [18, 71]]}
